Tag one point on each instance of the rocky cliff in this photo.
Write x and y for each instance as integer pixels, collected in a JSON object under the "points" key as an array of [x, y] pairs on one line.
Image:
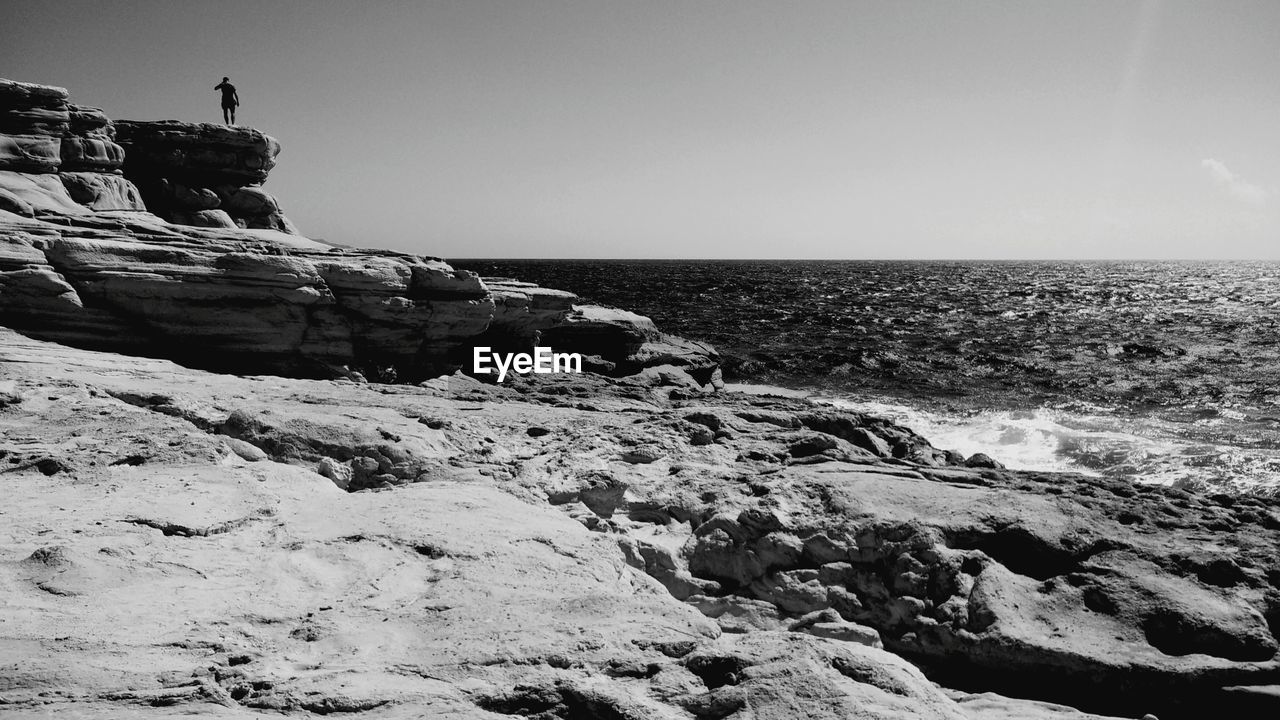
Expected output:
{"points": [[203, 174], [209, 272]]}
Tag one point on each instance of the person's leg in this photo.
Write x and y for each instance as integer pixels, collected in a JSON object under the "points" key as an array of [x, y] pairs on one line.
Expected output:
{"points": [[233, 115], [225, 117]]}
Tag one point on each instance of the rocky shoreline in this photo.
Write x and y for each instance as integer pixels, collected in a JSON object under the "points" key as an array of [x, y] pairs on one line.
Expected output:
{"points": [[285, 536]]}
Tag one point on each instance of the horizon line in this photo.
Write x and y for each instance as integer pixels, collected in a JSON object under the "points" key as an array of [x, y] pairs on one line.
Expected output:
{"points": [[763, 259]]}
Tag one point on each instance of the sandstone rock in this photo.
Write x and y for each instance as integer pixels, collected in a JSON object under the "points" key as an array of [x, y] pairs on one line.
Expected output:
{"points": [[184, 168], [248, 201], [101, 191], [608, 332], [192, 198], [198, 154], [739, 615], [90, 153], [627, 343], [1033, 595], [273, 221], [846, 631], [16, 95], [339, 473], [41, 134], [699, 360], [522, 311], [88, 121], [755, 671], [216, 300], [1057, 587], [44, 193], [120, 278], [665, 376], [992, 706], [244, 450], [204, 218], [30, 153], [10, 202], [241, 580], [599, 491], [31, 109], [982, 460]]}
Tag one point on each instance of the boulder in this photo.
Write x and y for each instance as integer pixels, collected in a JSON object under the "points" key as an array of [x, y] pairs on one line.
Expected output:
{"points": [[204, 218], [626, 343], [185, 168], [191, 198], [249, 201], [197, 154], [522, 311]]}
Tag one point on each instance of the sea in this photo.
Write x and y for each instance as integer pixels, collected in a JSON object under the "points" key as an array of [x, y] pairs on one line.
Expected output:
{"points": [[1157, 372]]}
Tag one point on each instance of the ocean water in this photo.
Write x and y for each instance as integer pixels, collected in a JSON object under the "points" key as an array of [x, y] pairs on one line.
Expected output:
{"points": [[1162, 372]]}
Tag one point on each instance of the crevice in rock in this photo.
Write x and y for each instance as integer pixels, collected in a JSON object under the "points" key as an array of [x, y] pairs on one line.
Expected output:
{"points": [[1020, 550], [559, 701], [428, 550], [162, 404], [1175, 634], [716, 671], [170, 529]]}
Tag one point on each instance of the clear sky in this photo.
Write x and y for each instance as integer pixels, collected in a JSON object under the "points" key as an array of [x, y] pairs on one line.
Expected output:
{"points": [[742, 128]]}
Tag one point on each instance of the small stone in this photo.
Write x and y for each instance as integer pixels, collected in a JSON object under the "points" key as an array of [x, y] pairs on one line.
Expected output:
{"points": [[246, 451], [846, 631], [52, 466], [338, 472], [701, 436], [982, 460], [642, 455], [536, 431], [812, 445]]}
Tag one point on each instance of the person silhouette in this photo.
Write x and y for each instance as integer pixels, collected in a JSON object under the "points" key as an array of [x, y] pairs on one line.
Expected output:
{"points": [[229, 100]]}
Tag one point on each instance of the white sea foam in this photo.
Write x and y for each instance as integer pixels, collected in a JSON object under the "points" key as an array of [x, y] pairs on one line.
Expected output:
{"points": [[1080, 438]]}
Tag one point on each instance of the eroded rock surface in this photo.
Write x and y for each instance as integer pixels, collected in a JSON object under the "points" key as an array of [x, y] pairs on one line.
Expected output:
{"points": [[151, 566], [732, 556]]}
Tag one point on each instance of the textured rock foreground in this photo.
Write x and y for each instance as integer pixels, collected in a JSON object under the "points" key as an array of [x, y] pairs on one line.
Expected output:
{"points": [[176, 541]]}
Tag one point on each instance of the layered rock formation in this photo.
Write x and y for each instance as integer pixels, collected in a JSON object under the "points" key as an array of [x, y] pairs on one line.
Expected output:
{"points": [[203, 174], [246, 295], [56, 157]]}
